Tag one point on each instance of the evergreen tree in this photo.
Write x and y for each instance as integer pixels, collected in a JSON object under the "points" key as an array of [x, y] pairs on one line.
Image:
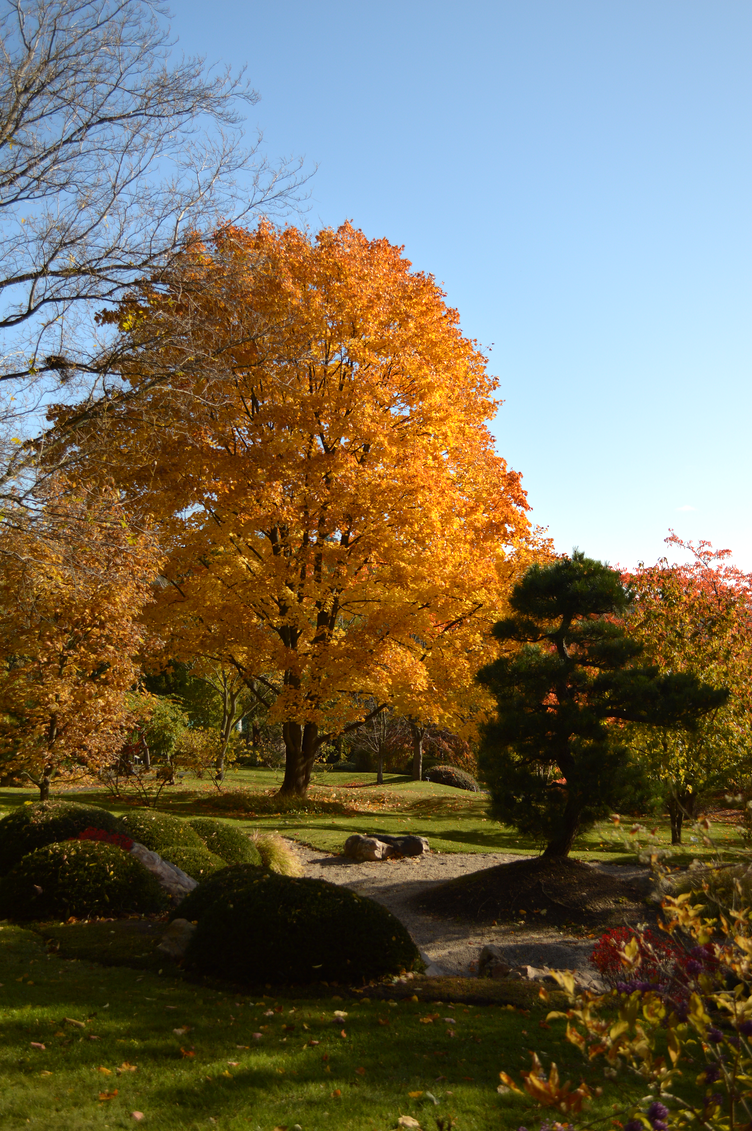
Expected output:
{"points": [[555, 759]]}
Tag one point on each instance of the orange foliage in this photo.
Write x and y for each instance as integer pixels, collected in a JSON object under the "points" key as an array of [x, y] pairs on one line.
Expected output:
{"points": [[310, 432]]}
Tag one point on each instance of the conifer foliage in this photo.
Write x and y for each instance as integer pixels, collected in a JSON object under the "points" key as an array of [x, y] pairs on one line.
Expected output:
{"points": [[555, 758]]}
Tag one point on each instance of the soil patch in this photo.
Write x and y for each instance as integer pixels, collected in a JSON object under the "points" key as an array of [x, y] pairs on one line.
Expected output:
{"points": [[539, 891]]}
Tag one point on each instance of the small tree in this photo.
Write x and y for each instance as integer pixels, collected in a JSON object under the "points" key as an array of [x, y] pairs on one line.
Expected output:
{"points": [[554, 758]]}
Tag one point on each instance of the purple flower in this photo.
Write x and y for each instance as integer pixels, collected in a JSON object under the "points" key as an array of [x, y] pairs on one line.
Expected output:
{"points": [[715, 1036], [693, 967], [657, 1114], [634, 1125], [745, 1028], [712, 1072]]}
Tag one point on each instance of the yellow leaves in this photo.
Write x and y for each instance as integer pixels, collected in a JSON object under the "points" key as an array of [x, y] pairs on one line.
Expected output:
{"points": [[549, 1092]]}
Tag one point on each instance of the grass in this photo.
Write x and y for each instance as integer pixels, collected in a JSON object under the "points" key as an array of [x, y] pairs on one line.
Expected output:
{"points": [[116, 1042], [125, 1034], [341, 804]]}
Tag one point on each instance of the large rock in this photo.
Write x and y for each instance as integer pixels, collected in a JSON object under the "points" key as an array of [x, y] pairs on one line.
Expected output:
{"points": [[173, 879], [176, 938], [380, 846], [361, 848]]}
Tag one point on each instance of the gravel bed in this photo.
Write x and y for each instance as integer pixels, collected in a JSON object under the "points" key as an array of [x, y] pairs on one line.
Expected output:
{"points": [[450, 947]]}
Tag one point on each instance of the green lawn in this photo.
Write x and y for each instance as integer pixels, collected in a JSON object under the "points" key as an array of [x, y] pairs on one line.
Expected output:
{"points": [[341, 804], [84, 1046]]}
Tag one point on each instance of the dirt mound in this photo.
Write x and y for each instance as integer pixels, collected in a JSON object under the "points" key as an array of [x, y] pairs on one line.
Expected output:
{"points": [[539, 891]]}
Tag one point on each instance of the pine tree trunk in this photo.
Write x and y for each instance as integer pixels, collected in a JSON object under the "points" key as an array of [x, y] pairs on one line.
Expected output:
{"points": [[561, 844], [301, 744], [681, 804]]}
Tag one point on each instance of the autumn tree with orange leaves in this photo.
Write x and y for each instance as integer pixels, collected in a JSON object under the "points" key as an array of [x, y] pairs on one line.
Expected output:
{"points": [[73, 579], [307, 427]]}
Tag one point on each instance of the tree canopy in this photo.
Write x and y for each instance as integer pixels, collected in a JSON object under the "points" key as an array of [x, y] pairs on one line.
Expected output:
{"points": [[310, 436], [555, 758]]}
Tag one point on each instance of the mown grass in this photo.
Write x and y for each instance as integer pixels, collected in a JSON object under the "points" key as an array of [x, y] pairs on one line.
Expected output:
{"points": [[452, 820], [85, 1046]]}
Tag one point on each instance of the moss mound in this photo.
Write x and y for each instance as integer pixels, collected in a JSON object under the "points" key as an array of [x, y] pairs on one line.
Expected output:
{"points": [[538, 891], [82, 878], [160, 832], [255, 926], [231, 844], [196, 862], [452, 775], [45, 822]]}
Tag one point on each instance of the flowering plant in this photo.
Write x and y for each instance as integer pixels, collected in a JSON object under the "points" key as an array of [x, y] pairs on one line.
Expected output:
{"points": [[118, 839]]}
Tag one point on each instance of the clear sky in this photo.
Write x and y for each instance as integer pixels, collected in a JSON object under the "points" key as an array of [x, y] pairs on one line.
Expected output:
{"points": [[578, 176]]}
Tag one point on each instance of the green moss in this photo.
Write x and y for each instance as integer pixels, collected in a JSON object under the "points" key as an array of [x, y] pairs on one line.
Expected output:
{"points": [[82, 878], [195, 862], [256, 926], [231, 844], [45, 822], [159, 831]]}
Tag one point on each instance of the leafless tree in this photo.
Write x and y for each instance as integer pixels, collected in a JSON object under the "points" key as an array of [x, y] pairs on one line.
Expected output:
{"points": [[112, 155]]}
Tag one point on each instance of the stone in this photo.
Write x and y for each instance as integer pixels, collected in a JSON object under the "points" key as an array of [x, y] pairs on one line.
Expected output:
{"points": [[363, 848], [176, 938], [173, 879], [408, 845]]}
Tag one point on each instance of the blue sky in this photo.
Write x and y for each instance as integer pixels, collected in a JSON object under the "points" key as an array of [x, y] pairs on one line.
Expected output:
{"points": [[578, 175]]}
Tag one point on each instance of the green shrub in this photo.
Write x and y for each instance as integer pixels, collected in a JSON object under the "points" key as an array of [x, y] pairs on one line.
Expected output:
{"points": [[255, 926], [45, 822], [452, 775], [83, 878], [158, 831], [196, 862], [231, 844], [345, 767]]}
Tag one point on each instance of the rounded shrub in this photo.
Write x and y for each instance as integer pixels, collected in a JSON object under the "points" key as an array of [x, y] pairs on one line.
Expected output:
{"points": [[45, 822], [159, 831], [256, 926], [230, 843], [195, 862], [84, 878], [452, 775], [345, 767]]}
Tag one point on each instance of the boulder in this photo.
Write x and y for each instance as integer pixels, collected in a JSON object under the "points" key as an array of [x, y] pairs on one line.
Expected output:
{"points": [[176, 938], [173, 879], [361, 848], [408, 845]]}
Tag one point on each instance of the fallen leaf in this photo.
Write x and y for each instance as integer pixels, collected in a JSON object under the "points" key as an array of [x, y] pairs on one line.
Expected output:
{"points": [[106, 1071], [340, 1014], [72, 1021], [256, 1037], [336, 1093], [187, 1052], [360, 1071], [342, 1034], [38, 1045], [126, 1067], [415, 1095], [182, 1030], [45, 1073], [408, 1121], [312, 1044], [108, 1095]]}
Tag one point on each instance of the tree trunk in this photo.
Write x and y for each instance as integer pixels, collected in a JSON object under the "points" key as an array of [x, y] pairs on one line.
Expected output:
{"points": [[681, 804], [418, 733], [561, 844], [44, 784], [301, 744], [380, 766]]}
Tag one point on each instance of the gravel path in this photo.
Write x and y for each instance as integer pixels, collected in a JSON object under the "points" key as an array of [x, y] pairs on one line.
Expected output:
{"points": [[450, 947]]}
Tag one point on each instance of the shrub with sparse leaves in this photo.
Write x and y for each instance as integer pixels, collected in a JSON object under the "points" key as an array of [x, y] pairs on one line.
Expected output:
{"points": [[81, 878], [255, 926]]}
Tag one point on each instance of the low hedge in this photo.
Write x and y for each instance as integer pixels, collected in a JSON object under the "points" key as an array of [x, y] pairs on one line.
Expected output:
{"points": [[83, 878], [34, 825], [231, 844], [159, 831], [195, 862], [255, 926], [452, 775]]}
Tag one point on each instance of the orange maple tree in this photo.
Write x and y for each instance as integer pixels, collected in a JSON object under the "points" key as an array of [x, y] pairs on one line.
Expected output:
{"points": [[308, 427], [73, 579]]}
